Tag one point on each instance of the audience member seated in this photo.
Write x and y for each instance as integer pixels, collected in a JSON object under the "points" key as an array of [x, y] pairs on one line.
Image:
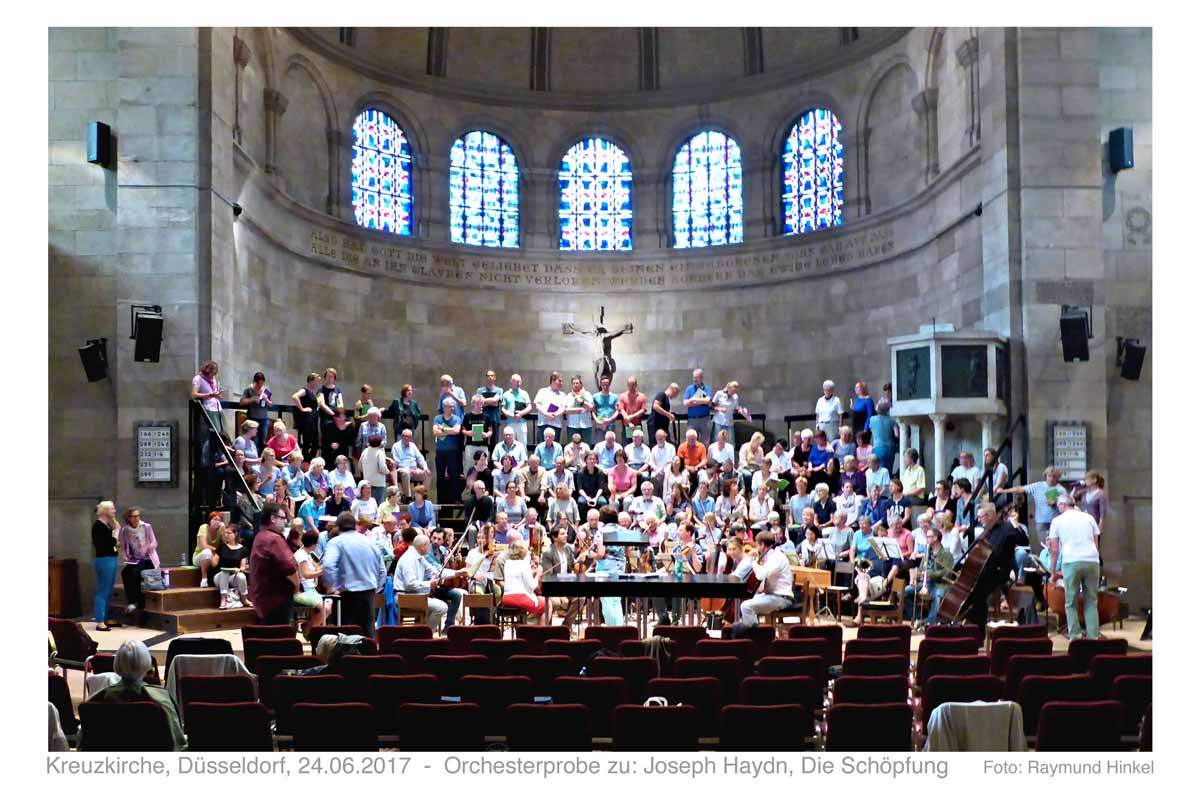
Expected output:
{"points": [[131, 663]]}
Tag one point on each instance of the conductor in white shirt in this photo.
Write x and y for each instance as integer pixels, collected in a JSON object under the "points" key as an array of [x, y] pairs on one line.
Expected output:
{"points": [[775, 581]]}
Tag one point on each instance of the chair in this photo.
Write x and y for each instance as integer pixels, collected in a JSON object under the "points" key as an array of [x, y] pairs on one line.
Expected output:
{"points": [[941, 631], [891, 607], [654, 728], [763, 728], [334, 726], [794, 666], [412, 608], [212, 689], [229, 727], [270, 666], [741, 649], [1037, 690], [1022, 666], [493, 695], [869, 728], [1134, 693], [957, 689], [498, 651], [386, 634], [60, 696], [870, 689], [784, 648], [726, 669], [72, 644], [684, 636], [600, 695], [196, 646], [255, 649], [761, 637], [439, 726], [356, 670], [704, 694], [832, 634], [611, 636], [386, 693], [903, 632], [1079, 726], [451, 669], [288, 690], [579, 651], [760, 691], [103, 662], [877, 647], [954, 665], [964, 646], [1004, 649], [509, 617], [268, 632], [563, 727], [1084, 650], [1000, 632], [1106, 669], [461, 636], [636, 672], [542, 670], [875, 665], [1145, 737], [124, 727], [317, 631], [537, 635]]}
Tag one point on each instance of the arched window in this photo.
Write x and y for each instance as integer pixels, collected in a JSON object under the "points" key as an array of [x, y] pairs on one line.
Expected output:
{"points": [[484, 200], [595, 198], [707, 199], [812, 173], [381, 174]]}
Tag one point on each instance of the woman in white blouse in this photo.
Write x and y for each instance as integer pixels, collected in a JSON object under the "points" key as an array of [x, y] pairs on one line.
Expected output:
{"points": [[676, 475], [731, 504], [364, 504], [751, 456], [760, 506], [521, 581]]}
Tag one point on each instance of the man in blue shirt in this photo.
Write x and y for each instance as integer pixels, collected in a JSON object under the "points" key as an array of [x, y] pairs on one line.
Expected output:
{"points": [[604, 411], [549, 450], [354, 568], [697, 398], [702, 504], [491, 395], [447, 428]]}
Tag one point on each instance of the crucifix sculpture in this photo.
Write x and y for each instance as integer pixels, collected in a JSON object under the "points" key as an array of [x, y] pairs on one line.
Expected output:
{"points": [[604, 365]]}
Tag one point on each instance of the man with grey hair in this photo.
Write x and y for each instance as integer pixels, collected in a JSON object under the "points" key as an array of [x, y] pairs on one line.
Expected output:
{"points": [[1075, 536], [415, 575], [697, 399], [829, 411], [515, 406], [509, 445], [1004, 540], [132, 662]]}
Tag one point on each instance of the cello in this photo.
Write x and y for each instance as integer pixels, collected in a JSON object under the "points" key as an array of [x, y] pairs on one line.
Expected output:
{"points": [[974, 564]]}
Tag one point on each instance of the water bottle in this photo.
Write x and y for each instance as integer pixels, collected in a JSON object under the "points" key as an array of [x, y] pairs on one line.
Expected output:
{"points": [[679, 569], [166, 576]]}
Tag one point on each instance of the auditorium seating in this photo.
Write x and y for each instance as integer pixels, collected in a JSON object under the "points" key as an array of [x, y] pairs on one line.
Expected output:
{"points": [[1134, 693], [1065, 726], [1021, 666], [103, 662], [875, 665], [955, 632], [901, 632], [957, 689], [726, 669], [1105, 669], [1084, 650], [256, 648], [657, 728], [439, 726], [702, 693], [761, 637], [876, 647], [762, 691], [72, 644], [600, 695], [1004, 649], [803, 666], [800, 647], [451, 669], [243, 727], [460, 636], [357, 669], [869, 727], [542, 670], [270, 666], [763, 728], [870, 689], [493, 694], [386, 634], [963, 646], [548, 727], [1037, 690], [636, 672], [386, 693], [832, 634], [1002, 632], [415, 651], [317, 631], [212, 689], [611, 636], [195, 646], [288, 690], [334, 726], [537, 635], [741, 649], [498, 651], [684, 636], [267, 632], [60, 696], [124, 727], [579, 651], [955, 665]]}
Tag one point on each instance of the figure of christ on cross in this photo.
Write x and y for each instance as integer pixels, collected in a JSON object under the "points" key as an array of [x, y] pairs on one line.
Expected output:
{"points": [[604, 366]]}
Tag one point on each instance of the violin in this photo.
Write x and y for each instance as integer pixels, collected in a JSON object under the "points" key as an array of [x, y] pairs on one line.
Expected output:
{"points": [[583, 552]]}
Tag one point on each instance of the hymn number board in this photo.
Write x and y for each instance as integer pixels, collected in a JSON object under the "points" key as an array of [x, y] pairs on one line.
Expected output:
{"points": [[1068, 449], [154, 444]]}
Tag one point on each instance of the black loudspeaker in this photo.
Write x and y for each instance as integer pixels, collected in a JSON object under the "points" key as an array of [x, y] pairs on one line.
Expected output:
{"points": [[147, 336], [1074, 326], [1130, 355], [99, 144], [1120, 149], [95, 359]]}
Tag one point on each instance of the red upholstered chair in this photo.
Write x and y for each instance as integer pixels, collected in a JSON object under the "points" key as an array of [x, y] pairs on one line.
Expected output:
{"points": [[542, 670], [600, 695], [870, 689], [537, 635], [1106, 669], [636, 672], [702, 693], [869, 728], [268, 632], [955, 632], [415, 651], [212, 689], [386, 634], [794, 666], [902, 632], [1022, 666], [334, 726], [761, 691], [460, 636], [957, 689], [1000, 632], [799, 647], [760, 635], [60, 696], [1146, 737], [763, 728], [103, 662], [451, 669], [579, 651], [726, 669], [493, 695], [229, 727], [741, 649], [1037, 690], [877, 647], [288, 690], [356, 670], [124, 727], [317, 631], [875, 665], [955, 665], [195, 646], [1134, 693], [611, 636], [1084, 650], [657, 728], [1004, 649], [72, 644], [270, 666], [498, 651], [964, 646], [832, 634], [255, 649], [547, 727], [1079, 726], [440, 726], [684, 636], [387, 693]]}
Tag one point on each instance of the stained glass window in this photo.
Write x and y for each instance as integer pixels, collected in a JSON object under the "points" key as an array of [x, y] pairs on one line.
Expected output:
{"points": [[595, 198], [707, 199], [381, 174], [484, 200], [812, 173]]}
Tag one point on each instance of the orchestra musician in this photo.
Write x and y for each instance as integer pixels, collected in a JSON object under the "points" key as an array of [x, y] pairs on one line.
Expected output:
{"points": [[775, 580], [416, 575], [521, 580], [1004, 539], [559, 559], [691, 553], [479, 567], [610, 560]]}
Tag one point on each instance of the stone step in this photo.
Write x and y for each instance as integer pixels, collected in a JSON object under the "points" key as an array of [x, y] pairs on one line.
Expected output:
{"points": [[178, 623], [187, 598]]}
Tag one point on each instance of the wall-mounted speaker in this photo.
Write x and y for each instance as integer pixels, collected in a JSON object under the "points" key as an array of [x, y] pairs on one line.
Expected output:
{"points": [[147, 333], [94, 356], [1075, 326], [99, 144], [1131, 353], [1120, 149]]}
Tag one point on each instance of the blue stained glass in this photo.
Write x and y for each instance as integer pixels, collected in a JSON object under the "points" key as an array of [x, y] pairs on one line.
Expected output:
{"points": [[380, 174], [812, 173], [706, 204], [595, 201], [484, 191]]}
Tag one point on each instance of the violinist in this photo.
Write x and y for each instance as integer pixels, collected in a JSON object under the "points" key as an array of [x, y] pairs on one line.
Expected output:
{"points": [[530, 527], [810, 553], [521, 581], [691, 554], [416, 575], [936, 570], [585, 537], [480, 506], [438, 552], [479, 568], [559, 559], [775, 581]]}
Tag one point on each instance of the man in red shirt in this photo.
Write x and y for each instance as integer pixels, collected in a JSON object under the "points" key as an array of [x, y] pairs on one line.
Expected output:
{"points": [[631, 407], [693, 452], [274, 580]]}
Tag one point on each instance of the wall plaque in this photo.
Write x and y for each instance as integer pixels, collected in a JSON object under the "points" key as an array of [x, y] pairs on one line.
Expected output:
{"points": [[154, 453], [1068, 448]]}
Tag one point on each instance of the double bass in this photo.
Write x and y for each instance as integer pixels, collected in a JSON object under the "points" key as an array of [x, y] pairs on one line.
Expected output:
{"points": [[975, 563]]}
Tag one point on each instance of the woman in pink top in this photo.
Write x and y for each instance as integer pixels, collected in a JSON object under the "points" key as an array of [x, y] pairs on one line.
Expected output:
{"points": [[622, 481], [138, 548]]}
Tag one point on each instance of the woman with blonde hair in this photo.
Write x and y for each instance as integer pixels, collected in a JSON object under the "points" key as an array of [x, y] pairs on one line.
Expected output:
{"points": [[104, 561], [751, 456], [521, 581]]}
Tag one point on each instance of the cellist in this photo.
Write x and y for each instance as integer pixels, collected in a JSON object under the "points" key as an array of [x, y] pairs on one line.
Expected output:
{"points": [[1004, 539]]}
